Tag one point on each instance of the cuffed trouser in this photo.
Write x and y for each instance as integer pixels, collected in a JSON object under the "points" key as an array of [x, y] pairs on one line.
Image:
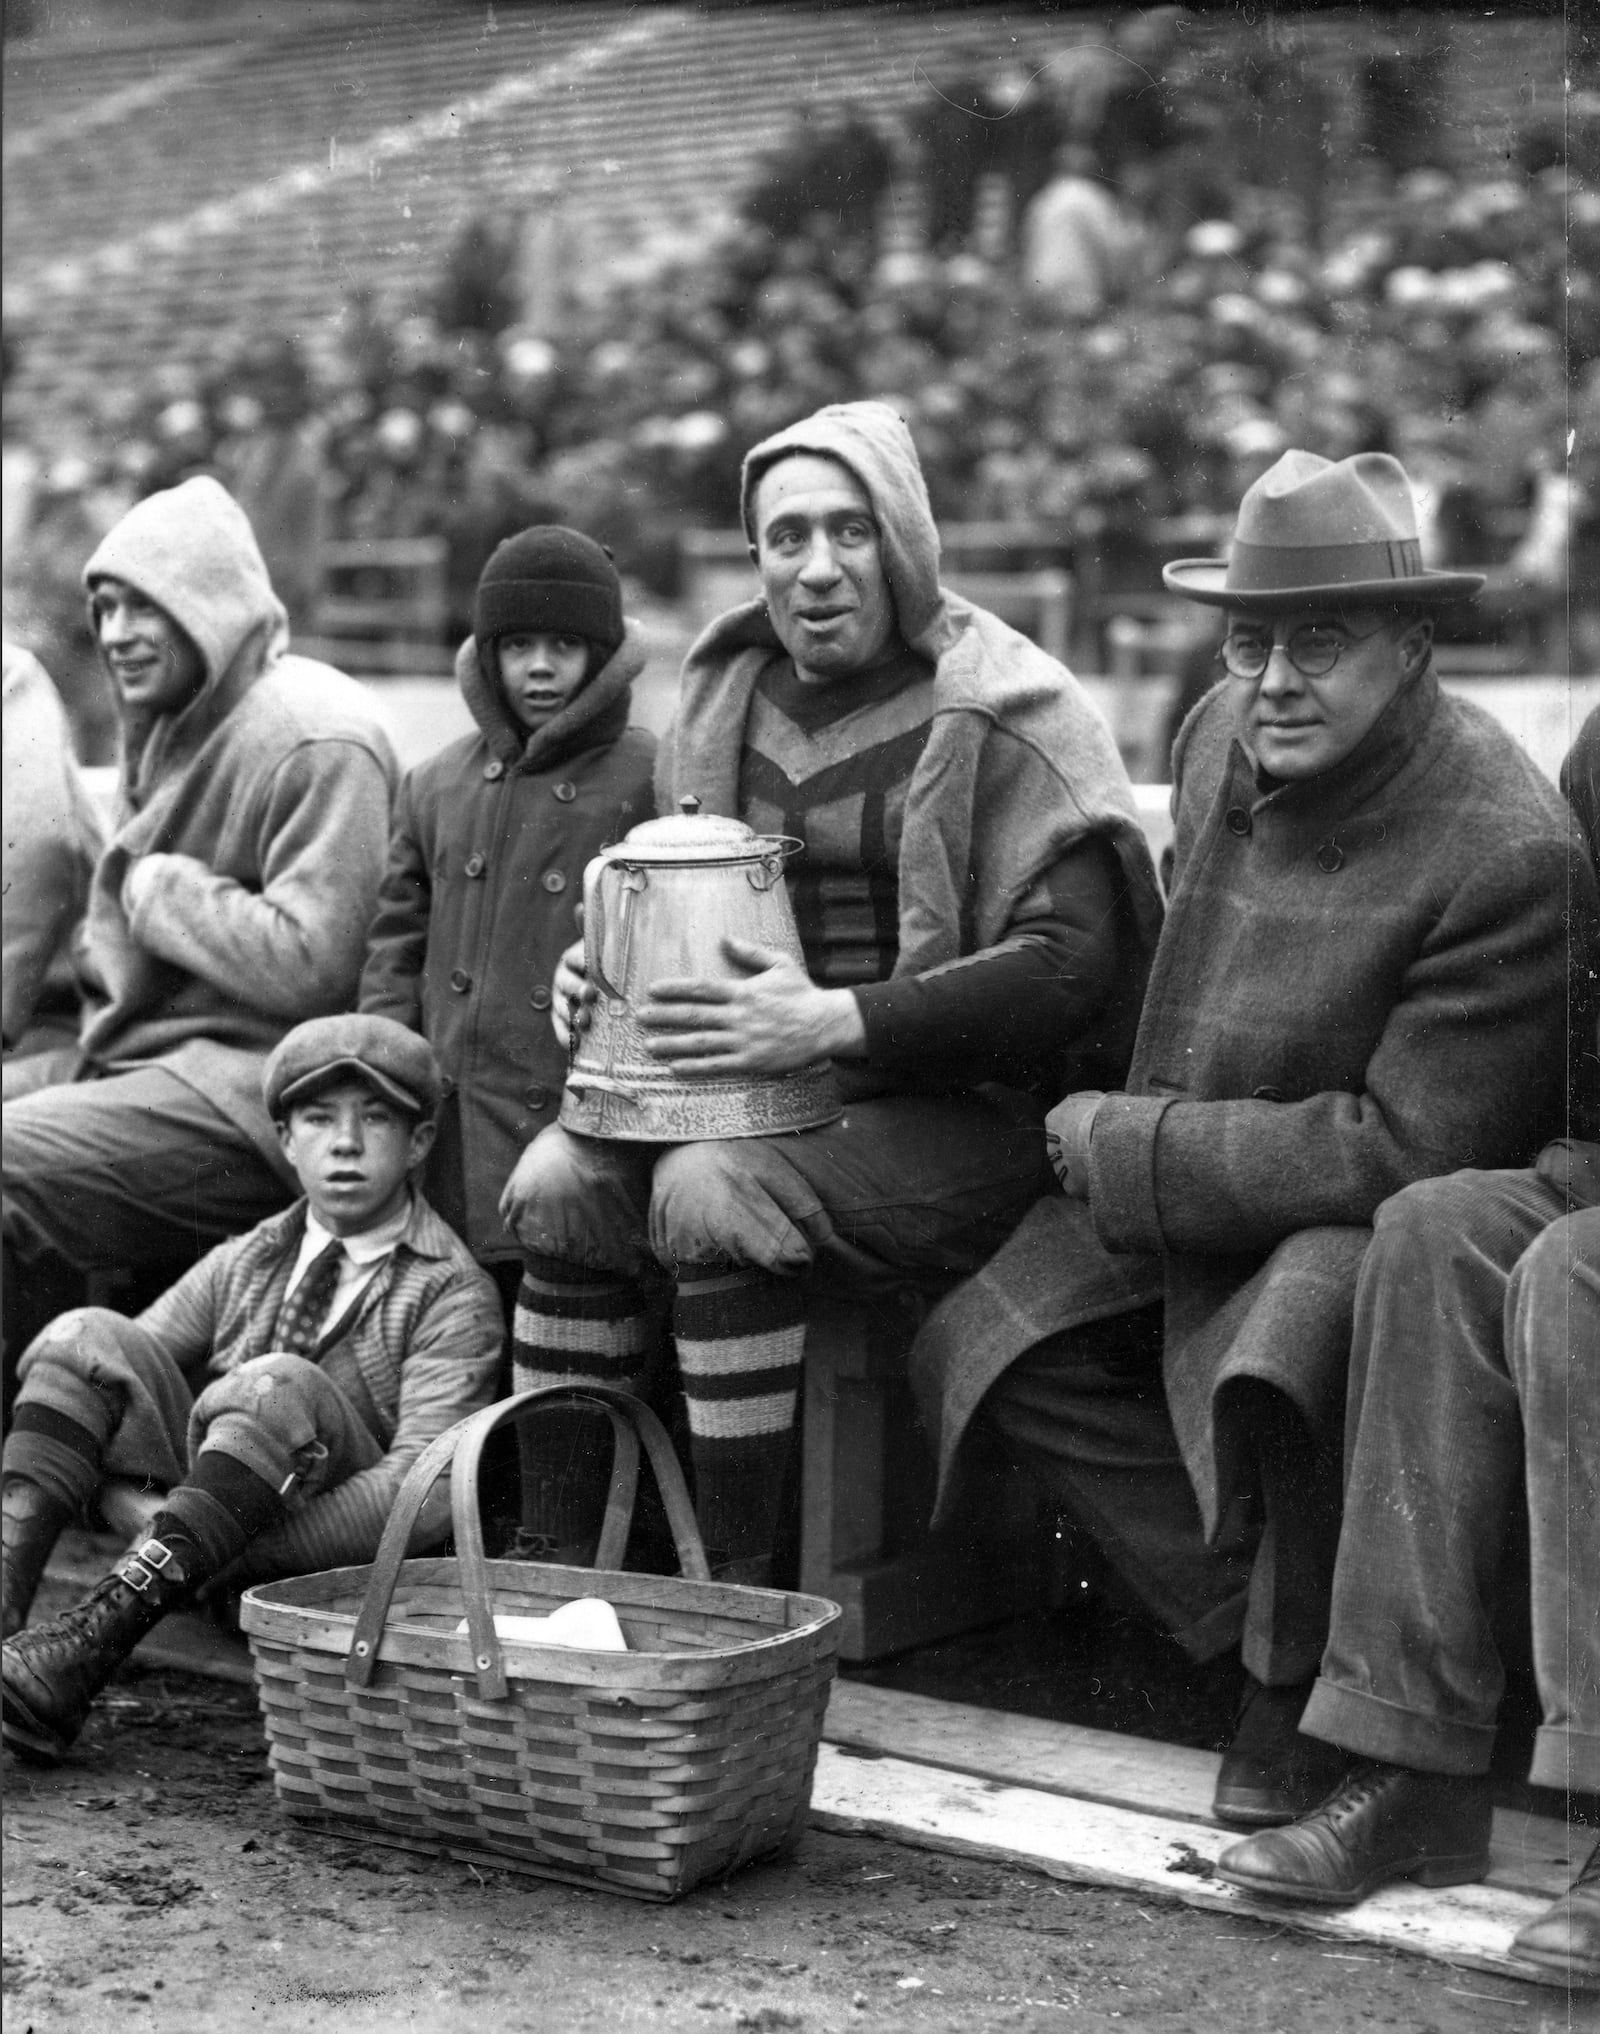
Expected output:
{"points": [[279, 1415], [1085, 1412], [1476, 1357], [133, 1169], [900, 1191]]}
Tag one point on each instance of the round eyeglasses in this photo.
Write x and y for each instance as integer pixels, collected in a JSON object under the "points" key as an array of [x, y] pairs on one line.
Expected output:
{"points": [[1313, 648]]}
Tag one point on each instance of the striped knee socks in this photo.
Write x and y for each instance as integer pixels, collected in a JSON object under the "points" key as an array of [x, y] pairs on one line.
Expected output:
{"points": [[740, 1334], [573, 1326]]}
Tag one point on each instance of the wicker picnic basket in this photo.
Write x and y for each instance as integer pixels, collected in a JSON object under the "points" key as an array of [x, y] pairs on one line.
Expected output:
{"points": [[645, 1771]]}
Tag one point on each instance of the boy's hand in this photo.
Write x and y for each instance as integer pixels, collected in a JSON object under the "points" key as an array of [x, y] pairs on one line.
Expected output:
{"points": [[571, 995], [770, 1020]]}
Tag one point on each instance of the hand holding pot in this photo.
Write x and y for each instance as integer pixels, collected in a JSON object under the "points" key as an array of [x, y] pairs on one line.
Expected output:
{"points": [[769, 1020], [572, 995]]}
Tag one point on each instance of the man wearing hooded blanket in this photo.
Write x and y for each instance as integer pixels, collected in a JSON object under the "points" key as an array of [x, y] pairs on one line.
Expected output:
{"points": [[1362, 981], [230, 903], [976, 908]]}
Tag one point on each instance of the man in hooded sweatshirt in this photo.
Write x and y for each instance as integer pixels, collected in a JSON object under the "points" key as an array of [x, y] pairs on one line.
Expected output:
{"points": [[230, 903], [976, 909]]}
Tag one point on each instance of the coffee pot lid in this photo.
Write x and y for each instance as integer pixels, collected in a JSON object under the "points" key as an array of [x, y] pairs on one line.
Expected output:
{"points": [[690, 835]]}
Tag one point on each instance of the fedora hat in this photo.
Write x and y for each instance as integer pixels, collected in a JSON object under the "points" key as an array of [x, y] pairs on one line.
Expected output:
{"points": [[1314, 531]]}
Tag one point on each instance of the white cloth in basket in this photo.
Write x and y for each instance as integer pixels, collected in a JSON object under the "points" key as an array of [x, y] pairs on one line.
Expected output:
{"points": [[588, 1622]]}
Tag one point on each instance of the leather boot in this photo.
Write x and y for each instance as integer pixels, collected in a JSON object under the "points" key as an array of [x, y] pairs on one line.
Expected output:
{"points": [[51, 1673], [31, 1520], [1565, 1938], [1383, 1823], [1270, 1774]]}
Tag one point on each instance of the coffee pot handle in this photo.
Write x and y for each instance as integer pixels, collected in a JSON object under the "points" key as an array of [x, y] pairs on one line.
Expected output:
{"points": [[594, 920]]}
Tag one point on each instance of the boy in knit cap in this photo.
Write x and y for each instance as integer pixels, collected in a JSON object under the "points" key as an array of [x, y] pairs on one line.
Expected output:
{"points": [[279, 1392], [486, 863]]}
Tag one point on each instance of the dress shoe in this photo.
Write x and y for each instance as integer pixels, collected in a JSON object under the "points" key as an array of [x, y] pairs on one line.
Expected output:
{"points": [[1565, 1938], [51, 1673], [1383, 1823], [1270, 1774]]}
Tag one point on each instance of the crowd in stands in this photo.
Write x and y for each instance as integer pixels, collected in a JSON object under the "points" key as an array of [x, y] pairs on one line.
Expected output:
{"points": [[1453, 319]]}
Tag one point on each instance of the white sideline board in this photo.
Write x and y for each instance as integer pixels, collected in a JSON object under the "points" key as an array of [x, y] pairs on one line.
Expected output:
{"points": [[1154, 1856]]}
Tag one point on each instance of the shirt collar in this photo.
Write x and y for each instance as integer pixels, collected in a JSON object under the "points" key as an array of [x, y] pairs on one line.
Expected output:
{"points": [[367, 1245]]}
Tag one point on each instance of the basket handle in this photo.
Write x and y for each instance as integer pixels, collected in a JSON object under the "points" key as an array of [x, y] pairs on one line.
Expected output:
{"points": [[460, 1448]]}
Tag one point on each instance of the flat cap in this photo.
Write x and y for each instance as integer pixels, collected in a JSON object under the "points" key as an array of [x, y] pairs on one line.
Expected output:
{"points": [[396, 1062]]}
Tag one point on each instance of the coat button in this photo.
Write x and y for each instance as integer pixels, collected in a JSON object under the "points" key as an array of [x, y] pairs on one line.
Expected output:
{"points": [[564, 791], [540, 997], [1330, 857], [476, 865], [554, 881], [460, 981], [1238, 821], [447, 1086], [536, 1097], [494, 771]]}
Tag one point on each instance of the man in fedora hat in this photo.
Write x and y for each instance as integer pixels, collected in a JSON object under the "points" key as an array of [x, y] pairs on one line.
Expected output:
{"points": [[1362, 981]]}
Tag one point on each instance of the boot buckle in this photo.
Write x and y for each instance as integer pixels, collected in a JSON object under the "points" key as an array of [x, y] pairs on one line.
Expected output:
{"points": [[140, 1567]]}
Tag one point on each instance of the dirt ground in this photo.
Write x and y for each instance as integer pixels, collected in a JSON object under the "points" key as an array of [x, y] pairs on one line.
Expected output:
{"points": [[150, 1883]]}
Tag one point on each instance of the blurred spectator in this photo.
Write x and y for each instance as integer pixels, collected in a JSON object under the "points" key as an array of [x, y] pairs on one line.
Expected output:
{"points": [[832, 162], [52, 840], [1080, 247], [1442, 296], [271, 460], [476, 292]]}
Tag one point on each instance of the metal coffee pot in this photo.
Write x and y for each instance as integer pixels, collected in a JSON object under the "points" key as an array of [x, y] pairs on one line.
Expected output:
{"points": [[657, 905]]}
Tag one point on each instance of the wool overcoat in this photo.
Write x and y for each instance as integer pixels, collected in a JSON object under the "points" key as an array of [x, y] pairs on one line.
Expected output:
{"points": [[491, 836], [1363, 980]]}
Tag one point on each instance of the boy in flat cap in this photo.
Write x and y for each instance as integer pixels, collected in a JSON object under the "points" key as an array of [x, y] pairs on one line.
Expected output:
{"points": [[1362, 982], [278, 1392]]}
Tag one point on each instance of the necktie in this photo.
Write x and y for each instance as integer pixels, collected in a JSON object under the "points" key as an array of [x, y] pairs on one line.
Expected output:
{"points": [[304, 1314]]}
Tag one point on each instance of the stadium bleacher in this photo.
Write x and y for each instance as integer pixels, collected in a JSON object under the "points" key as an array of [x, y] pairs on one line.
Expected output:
{"points": [[160, 189]]}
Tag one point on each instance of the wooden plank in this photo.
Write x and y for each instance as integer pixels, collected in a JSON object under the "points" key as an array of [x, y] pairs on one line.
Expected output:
{"points": [[1059, 1758], [1086, 1841], [1531, 1854]]}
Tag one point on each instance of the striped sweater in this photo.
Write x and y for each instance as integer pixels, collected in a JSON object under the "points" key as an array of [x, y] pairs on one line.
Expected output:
{"points": [[832, 766], [424, 1344]]}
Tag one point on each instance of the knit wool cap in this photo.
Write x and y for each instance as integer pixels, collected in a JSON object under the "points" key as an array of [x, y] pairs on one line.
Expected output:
{"points": [[550, 578], [394, 1061]]}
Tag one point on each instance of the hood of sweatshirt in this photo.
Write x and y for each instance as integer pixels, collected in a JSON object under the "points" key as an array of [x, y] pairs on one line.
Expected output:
{"points": [[595, 714], [191, 550], [870, 439]]}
